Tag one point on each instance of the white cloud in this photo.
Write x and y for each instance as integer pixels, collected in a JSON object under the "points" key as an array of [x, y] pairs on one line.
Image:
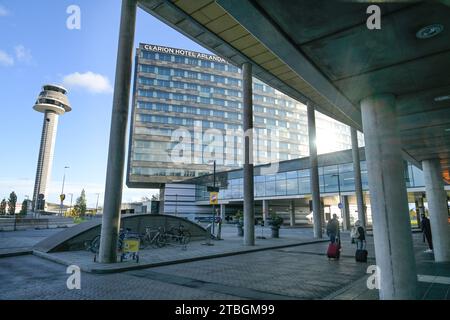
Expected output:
{"points": [[3, 11], [92, 82], [23, 54], [5, 59]]}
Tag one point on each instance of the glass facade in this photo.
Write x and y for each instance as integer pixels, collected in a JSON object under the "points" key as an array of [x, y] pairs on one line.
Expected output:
{"points": [[297, 182], [187, 112]]}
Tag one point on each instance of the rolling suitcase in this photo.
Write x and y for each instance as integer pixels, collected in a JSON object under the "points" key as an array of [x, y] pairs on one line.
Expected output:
{"points": [[361, 255], [333, 251]]}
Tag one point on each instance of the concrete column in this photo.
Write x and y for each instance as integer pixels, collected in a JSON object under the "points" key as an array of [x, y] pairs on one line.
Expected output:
{"points": [[292, 213], [358, 182], [314, 172], [265, 211], [346, 213], [222, 212], [117, 136], [249, 198], [391, 225], [437, 207]]}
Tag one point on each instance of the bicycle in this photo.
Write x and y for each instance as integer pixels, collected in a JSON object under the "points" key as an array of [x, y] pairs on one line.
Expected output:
{"points": [[180, 234], [156, 238], [94, 244]]}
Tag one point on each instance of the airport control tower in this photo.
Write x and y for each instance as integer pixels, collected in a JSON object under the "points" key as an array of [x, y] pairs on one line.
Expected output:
{"points": [[52, 102]]}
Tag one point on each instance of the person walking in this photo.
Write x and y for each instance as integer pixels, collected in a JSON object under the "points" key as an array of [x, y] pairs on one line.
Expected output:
{"points": [[358, 234], [426, 230], [333, 229]]}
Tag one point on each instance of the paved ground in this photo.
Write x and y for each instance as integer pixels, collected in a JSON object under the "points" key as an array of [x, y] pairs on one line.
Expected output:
{"points": [[296, 272], [301, 272], [11, 241]]}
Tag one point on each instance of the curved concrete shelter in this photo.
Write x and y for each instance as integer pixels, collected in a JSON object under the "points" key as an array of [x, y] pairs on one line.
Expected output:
{"points": [[391, 83]]}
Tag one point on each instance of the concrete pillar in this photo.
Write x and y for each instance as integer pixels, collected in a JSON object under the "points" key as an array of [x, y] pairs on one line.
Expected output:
{"points": [[292, 213], [391, 224], [314, 172], [265, 211], [118, 132], [358, 182], [437, 207], [346, 213], [249, 197], [222, 212]]}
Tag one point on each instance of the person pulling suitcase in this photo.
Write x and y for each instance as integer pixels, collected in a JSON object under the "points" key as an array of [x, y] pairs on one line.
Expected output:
{"points": [[358, 234]]}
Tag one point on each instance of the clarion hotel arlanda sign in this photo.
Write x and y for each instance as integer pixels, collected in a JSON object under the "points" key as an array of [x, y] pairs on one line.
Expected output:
{"points": [[182, 52]]}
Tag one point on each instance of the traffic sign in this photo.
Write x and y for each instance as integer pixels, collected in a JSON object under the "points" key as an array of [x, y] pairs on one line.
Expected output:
{"points": [[340, 205], [213, 198], [62, 196]]}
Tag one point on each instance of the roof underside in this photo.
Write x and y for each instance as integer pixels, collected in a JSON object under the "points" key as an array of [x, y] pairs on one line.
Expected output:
{"points": [[323, 52]]}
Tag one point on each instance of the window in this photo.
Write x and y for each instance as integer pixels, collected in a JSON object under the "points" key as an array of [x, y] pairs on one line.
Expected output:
{"points": [[232, 68], [219, 102], [178, 84], [219, 66], [219, 91], [164, 71], [162, 95], [178, 109], [148, 55], [192, 61], [205, 64], [179, 59], [163, 83], [145, 81], [191, 98], [258, 87], [218, 113], [219, 79], [205, 100], [192, 75], [205, 89], [192, 86], [234, 82], [165, 57], [179, 73], [205, 77], [257, 108], [234, 93], [146, 68]]}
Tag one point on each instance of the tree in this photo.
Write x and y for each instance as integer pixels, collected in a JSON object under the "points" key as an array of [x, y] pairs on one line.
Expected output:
{"points": [[155, 197], [12, 203], [80, 205], [24, 209], [3, 207]]}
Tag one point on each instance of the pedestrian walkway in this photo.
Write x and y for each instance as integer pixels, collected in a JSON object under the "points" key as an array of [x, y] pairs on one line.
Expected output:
{"points": [[196, 250], [21, 242]]}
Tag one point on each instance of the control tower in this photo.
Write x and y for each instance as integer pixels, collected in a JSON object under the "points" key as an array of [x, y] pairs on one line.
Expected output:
{"points": [[52, 102]]}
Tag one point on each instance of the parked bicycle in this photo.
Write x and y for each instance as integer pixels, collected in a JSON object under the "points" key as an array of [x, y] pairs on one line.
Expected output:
{"points": [[180, 234], [153, 237], [94, 244]]}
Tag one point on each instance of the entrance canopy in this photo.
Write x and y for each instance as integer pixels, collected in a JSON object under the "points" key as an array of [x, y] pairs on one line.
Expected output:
{"points": [[322, 51]]}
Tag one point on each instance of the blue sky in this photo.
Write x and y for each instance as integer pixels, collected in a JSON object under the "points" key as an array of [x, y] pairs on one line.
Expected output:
{"points": [[36, 48]]}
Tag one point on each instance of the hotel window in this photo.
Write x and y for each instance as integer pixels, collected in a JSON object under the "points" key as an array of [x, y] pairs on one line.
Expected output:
{"points": [[179, 73], [234, 93], [178, 109], [219, 79], [192, 61], [179, 59], [218, 113], [178, 85], [205, 89], [205, 64], [205, 100], [192, 86], [145, 81], [234, 82], [219, 102], [163, 71], [163, 83], [232, 68], [205, 77], [219, 66], [191, 98], [191, 110], [162, 95], [147, 68], [148, 55], [219, 91], [258, 87], [165, 57]]}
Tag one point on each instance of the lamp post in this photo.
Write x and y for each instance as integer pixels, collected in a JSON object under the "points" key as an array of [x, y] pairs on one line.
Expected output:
{"points": [[96, 206], [62, 196], [71, 196], [340, 205], [214, 190]]}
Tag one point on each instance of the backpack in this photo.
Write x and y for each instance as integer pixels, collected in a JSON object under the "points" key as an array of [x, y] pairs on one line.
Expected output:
{"points": [[354, 234]]}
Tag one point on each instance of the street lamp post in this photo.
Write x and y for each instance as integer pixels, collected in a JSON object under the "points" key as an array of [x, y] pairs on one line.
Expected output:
{"points": [[214, 206], [96, 206], [71, 196], [340, 205], [62, 196]]}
